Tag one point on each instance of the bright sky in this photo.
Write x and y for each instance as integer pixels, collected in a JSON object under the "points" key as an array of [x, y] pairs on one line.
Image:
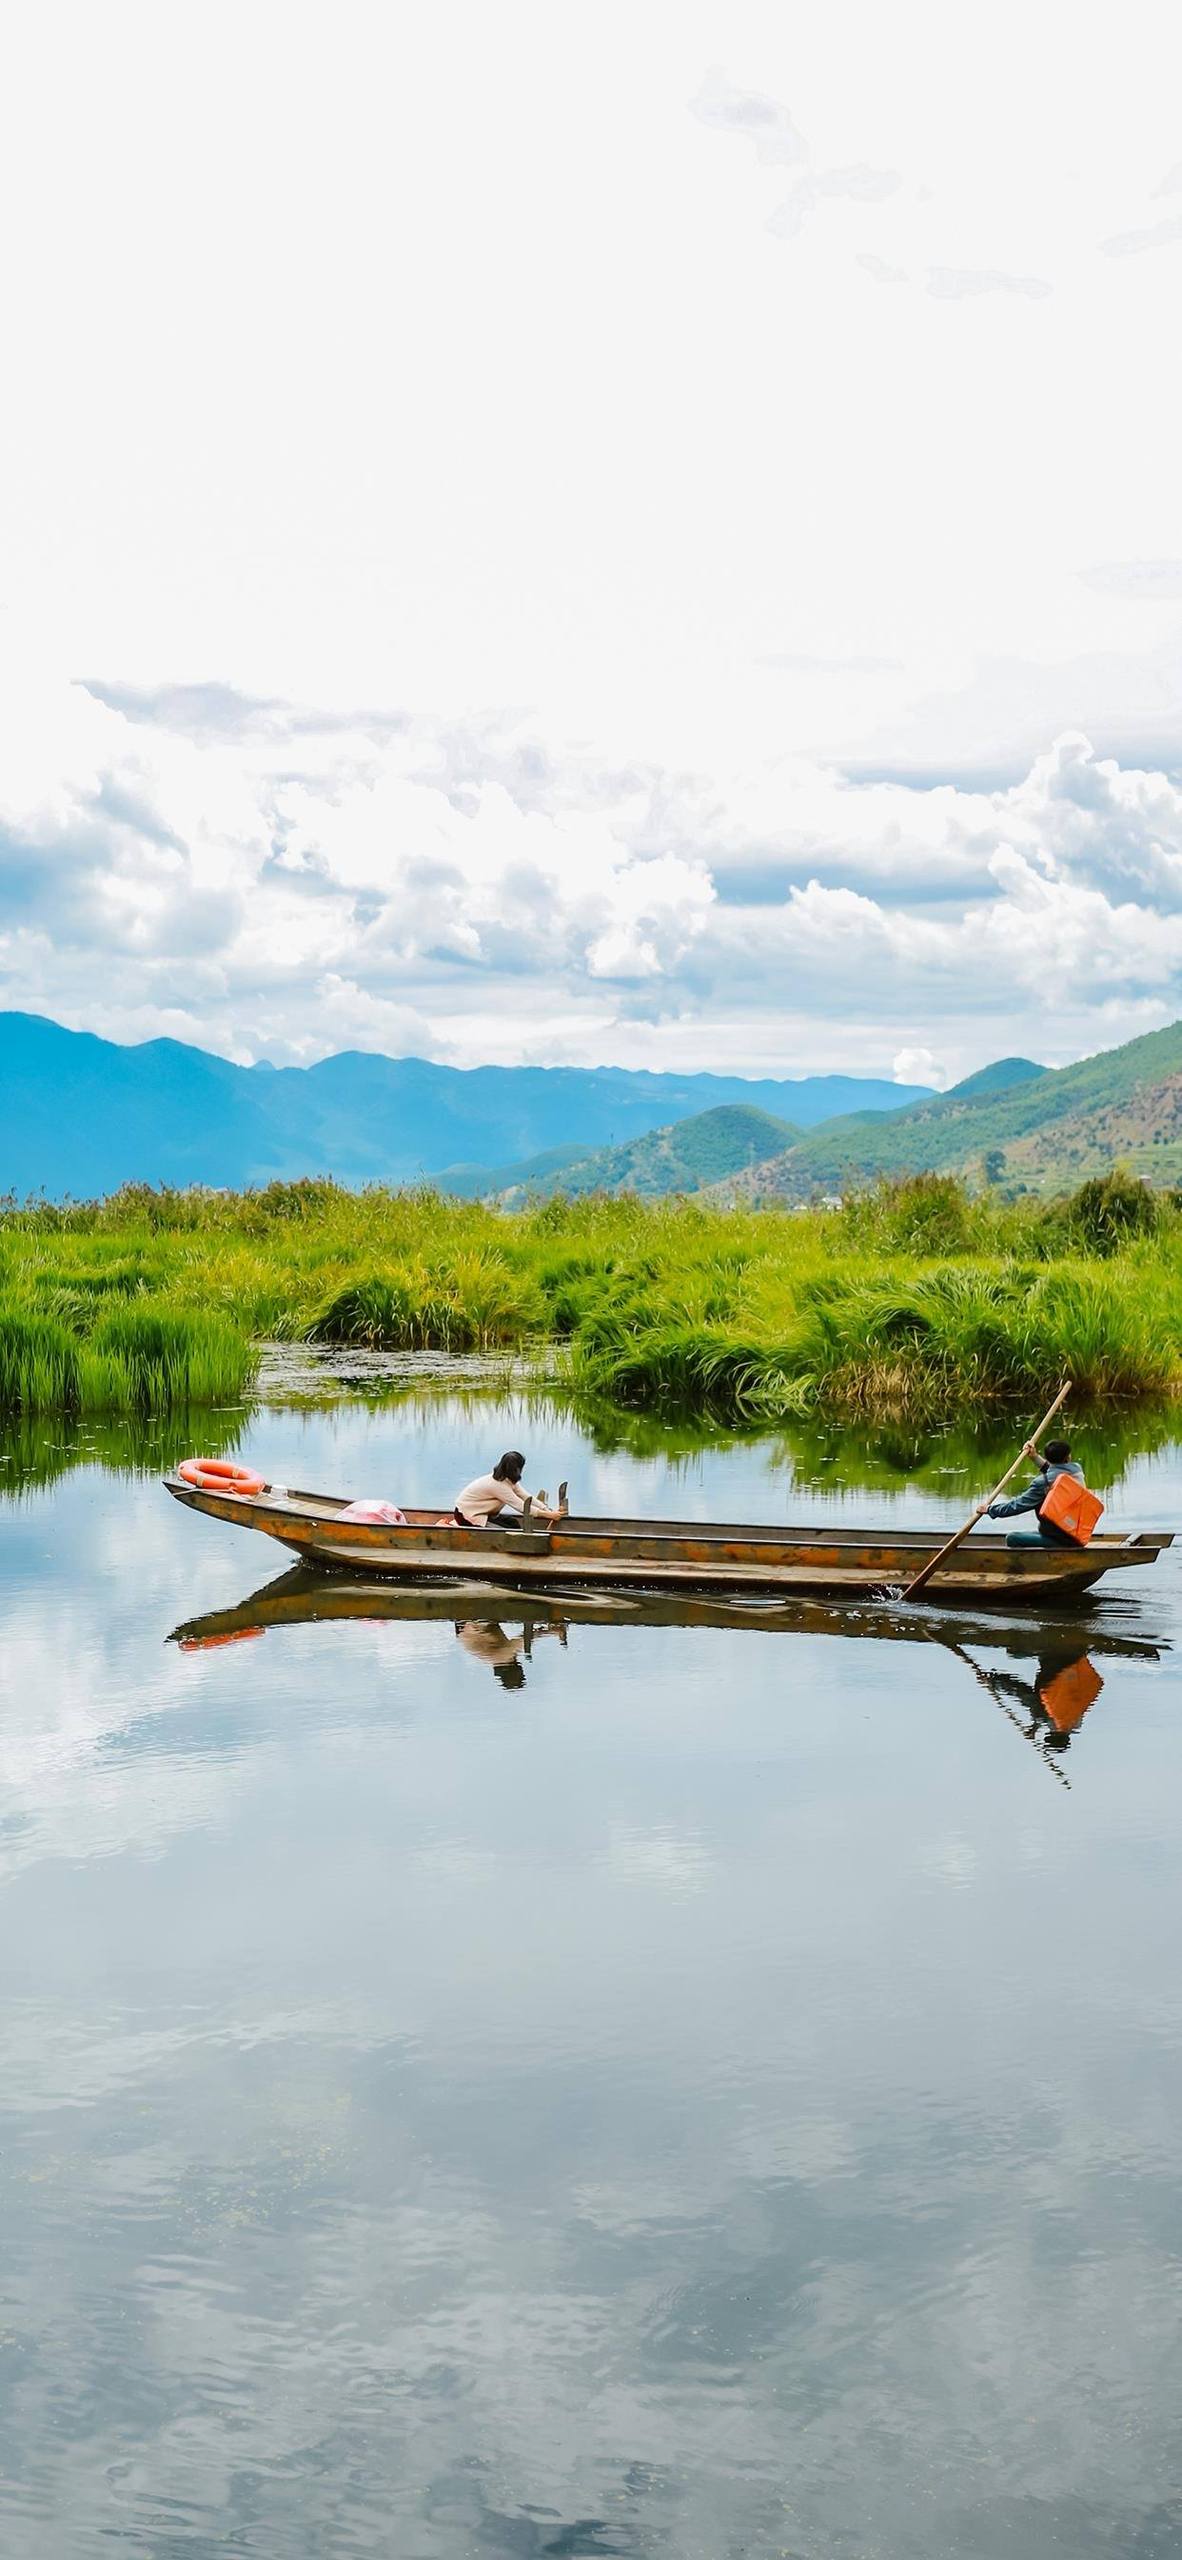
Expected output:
{"points": [[646, 533]]}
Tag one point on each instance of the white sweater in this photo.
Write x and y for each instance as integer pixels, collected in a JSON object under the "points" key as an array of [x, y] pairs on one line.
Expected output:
{"points": [[486, 1495]]}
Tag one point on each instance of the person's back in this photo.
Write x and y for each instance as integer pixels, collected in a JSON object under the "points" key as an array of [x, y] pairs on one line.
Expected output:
{"points": [[1055, 1461], [485, 1499], [489, 1641]]}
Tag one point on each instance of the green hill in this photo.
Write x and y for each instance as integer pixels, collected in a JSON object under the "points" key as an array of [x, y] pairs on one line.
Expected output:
{"points": [[1004, 1073], [533, 1173], [690, 1155], [1044, 1129]]}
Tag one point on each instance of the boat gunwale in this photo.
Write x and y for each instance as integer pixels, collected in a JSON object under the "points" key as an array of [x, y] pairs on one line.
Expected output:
{"points": [[324, 1510]]}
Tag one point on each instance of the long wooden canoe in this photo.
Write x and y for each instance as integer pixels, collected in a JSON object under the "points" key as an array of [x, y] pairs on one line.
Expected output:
{"points": [[588, 1552]]}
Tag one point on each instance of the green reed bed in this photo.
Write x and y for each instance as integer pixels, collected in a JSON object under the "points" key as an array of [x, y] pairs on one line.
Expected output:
{"points": [[912, 1300], [140, 1360]]}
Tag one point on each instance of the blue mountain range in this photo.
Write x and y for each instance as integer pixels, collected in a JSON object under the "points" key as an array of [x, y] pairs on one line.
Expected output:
{"points": [[80, 1115]]}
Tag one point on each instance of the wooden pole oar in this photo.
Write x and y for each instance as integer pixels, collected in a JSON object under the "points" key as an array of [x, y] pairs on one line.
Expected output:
{"points": [[924, 1577]]}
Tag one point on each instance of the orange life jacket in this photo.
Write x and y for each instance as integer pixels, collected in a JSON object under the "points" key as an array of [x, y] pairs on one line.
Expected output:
{"points": [[1069, 1693], [1070, 1507]]}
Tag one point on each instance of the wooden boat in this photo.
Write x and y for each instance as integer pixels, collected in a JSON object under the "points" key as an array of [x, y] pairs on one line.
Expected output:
{"points": [[588, 1552]]}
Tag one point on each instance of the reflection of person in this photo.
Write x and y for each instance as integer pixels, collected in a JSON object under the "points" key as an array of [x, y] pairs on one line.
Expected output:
{"points": [[493, 1644], [1057, 1699], [489, 1642], [497, 1501], [1055, 1461]]}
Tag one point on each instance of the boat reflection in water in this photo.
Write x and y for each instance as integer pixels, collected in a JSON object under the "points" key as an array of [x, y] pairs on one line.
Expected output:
{"points": [[1045, 1681]]}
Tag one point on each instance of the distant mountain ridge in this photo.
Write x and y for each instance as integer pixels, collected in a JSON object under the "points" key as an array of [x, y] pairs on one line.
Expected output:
{"points": [[999, 1078], [689, 1155], [1044, 1128], [80, 1115]]}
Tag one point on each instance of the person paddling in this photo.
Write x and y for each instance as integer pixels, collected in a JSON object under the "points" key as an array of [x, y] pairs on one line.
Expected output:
{"points": [[1053, 1461], [497, 1501]]}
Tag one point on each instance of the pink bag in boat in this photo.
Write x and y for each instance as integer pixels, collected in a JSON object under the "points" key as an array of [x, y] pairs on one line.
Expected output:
{"points": [[385, 1514]]}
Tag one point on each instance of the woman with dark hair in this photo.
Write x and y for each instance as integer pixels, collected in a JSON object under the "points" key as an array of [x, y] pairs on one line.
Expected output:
{"points": [[497, 1501]]}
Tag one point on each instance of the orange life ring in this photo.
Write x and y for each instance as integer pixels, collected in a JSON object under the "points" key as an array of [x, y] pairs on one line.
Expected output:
{"points": [[205, 1644], [219, 1475]]}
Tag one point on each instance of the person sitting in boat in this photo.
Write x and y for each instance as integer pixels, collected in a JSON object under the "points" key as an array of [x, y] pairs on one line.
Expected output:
{"points": [[1054, 1460], [497, 1501]]}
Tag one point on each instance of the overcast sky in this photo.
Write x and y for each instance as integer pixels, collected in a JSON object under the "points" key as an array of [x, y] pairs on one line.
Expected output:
{"points": [[643, 533]]}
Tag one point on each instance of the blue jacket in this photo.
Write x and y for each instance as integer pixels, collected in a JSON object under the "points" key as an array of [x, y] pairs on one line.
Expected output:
{"points": [[1035, 1496]]}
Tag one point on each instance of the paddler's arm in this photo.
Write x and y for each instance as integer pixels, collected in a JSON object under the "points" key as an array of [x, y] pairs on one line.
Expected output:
{"points": [[1027, 1501]]}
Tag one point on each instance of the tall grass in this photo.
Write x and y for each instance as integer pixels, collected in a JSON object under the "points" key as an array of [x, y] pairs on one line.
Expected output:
{"points": [[912, 1300], [147, 1361], [172, 1358], [44, 1369], [473, 1303]]}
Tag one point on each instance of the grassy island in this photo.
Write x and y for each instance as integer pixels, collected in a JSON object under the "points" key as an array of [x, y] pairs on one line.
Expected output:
{"points": [[910, 1298]]}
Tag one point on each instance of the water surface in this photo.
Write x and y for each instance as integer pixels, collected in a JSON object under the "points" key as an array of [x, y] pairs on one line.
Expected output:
{"points": [[501, 2081]]}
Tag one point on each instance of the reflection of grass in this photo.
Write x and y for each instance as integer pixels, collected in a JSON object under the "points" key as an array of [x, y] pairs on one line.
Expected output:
{"points": [[913, 1306], [823, 1452], [37, 1450], [819, 1453]]}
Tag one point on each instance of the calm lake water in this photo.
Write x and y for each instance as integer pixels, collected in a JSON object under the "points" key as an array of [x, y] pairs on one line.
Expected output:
{"points": [[475, 2085]]}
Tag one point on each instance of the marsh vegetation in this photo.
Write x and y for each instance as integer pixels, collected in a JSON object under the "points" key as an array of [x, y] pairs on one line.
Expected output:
{"points": [[911, 1299]]}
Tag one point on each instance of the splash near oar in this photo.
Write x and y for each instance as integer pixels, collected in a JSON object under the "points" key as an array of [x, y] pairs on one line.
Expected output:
{"points": [[933, 1565]]}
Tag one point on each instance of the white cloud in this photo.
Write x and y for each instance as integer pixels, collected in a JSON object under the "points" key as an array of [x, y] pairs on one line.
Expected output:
{"points": [[1154, 235], [766, 123], [881, 268], [918, 1066], [862, 184], [753, 118], [960, 284], [408, 887], [1140, 581], [495, 555]]}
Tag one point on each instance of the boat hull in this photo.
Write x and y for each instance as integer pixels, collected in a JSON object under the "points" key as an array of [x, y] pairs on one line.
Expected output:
{"points": [[605, 1554]]}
